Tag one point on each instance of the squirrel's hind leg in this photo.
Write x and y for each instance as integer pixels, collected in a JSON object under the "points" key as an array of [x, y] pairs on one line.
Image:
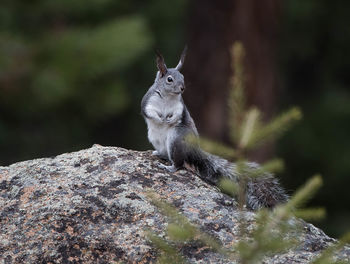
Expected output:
{"points": [[176, 163], [176, 149]]}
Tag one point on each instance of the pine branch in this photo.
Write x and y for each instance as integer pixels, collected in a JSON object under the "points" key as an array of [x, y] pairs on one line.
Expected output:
{"points": [[311, 214], [272, 227], [217, 148], [304, 193], [180, 230], [272, 166], [237, 102], [249, 128], [228, 186], [275, 128], [327, 255]]}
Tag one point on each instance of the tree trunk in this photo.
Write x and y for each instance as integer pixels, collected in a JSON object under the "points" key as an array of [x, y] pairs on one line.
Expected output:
{"points": [[213, 27]]}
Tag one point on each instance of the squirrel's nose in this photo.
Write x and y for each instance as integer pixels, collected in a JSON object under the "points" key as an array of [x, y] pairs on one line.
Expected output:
{"points": [[182, 88]]}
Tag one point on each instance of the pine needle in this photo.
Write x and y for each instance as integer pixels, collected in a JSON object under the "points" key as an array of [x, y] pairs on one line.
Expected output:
{"points": [[327, 255], [275, 128], [249, 127], [216, 148], [311, 214], [237, 102], [304, 193]]}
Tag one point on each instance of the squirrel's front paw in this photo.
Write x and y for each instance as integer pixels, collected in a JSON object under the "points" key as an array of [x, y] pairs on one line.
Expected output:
{"points": [[171, 168], [171, 119]]}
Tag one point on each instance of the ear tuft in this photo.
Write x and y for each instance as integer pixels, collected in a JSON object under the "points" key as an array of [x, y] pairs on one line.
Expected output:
{"points": [[182, 59], [161, 64]]}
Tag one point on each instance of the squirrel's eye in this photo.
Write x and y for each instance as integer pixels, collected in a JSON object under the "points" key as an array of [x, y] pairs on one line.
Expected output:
{"points": [[169, 79]]}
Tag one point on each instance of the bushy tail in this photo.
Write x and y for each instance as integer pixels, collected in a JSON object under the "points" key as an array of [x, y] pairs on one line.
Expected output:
{"points": [[261, 191]]}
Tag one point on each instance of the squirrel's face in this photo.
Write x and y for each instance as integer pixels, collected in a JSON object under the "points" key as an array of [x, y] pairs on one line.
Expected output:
{"points": [[172, 82]]}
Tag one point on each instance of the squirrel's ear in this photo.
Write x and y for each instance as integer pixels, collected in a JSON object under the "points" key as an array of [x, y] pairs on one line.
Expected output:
{"points": [[161, 64], [182, 59]]}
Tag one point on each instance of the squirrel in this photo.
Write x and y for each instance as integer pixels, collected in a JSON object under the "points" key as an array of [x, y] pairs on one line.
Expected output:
{"points": [[169, 124]]}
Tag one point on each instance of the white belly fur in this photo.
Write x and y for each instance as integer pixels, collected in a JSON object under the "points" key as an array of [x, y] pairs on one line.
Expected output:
{"points": [[161, 136]]}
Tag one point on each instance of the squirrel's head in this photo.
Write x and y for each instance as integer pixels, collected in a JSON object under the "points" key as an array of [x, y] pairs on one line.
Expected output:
{"points": [[170, 80]]}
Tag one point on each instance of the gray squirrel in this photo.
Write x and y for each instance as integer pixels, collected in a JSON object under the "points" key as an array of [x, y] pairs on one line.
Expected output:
{"points": [[169, 124]]}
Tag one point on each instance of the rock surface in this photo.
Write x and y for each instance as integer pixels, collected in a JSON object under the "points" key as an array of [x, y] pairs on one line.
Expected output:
{"points": [[91, 207]]}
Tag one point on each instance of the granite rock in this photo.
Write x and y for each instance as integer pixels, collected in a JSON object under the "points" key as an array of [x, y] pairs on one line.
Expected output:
{"points": [[91, 206]]}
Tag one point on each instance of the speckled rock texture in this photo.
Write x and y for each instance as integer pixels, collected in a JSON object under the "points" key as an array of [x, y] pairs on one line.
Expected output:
{"points": [[91, 207]]}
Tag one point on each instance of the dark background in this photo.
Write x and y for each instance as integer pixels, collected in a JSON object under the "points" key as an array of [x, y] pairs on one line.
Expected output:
{"points": [[72, 73]]}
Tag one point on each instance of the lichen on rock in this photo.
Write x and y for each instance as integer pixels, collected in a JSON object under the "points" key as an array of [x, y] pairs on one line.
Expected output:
{"points": [[91, 206]]}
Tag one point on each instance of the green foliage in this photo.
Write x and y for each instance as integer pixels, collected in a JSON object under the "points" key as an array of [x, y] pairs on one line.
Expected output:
{"points": [[246, 128], [114, 45], [268, 238], [326, 256], [212, 147], [229, 187], [72, 72], [313, 62], [275, 232], [272, 234], [313, 214], [179, 231], [306, 192], [273, 166], [169, 253], [254, 133], [77, 60], [237, 102]]}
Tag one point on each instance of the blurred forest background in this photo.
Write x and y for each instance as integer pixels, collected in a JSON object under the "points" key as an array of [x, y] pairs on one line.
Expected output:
{"points": [[72, 73]]}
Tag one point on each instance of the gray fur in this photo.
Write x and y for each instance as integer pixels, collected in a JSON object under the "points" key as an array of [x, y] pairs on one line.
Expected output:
{"points": [[164, 110], [169, 123], [262, 191]]}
